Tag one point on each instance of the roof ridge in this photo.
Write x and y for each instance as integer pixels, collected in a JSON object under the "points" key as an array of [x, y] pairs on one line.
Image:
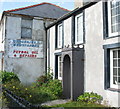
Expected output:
{"points": [[34, 6]]}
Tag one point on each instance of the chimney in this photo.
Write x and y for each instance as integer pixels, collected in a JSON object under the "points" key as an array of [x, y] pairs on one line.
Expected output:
{"points": [[78, 3]]}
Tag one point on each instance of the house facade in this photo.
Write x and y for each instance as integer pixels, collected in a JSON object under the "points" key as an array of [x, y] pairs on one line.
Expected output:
{"points": [[23, 39], [84, 50]]}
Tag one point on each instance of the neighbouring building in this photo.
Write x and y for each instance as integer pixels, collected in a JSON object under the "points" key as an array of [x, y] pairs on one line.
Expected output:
{"points": [[23, 39], [84, 51]]}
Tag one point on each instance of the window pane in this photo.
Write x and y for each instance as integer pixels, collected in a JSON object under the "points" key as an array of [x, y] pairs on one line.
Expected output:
{"points": [[115, 63], [59, 40], [26, 23], [118, 53], [26, 33], [118, 62], [115, 16], [119, 26], [118, 71], [114, 80], [113, 20], [118, 79], [115, 71], [113, 29], [115, 54], [79, 29], [113, 4]]}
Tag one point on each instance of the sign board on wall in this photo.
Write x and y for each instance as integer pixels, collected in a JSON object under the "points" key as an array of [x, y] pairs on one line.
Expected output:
{"points": [[25, 49]]}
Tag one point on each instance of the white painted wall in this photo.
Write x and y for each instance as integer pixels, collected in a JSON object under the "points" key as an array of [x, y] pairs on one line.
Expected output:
{"points": [[67, 41], [52, 48], [94, 54]]}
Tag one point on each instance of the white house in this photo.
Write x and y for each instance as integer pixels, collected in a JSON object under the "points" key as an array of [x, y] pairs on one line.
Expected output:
{"points": [[23, 39], [85, 51]]}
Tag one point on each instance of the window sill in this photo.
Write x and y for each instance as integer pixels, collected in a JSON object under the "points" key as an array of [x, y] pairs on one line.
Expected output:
{"points": [[109, 37], [114, 90]]}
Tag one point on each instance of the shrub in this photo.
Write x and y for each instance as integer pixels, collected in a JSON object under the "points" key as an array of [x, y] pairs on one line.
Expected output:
{"points": [[44, 78], [54, 87], [90, 98], [41, 80], [8, 76], [48, 91], [49, 74]]}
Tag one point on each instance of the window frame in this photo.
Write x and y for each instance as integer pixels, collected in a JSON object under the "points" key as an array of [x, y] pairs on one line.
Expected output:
{"points": [[59, 67], [107, 48], [27, 28], [109, 22], [60, 35], [76, 33], [111, 69]]}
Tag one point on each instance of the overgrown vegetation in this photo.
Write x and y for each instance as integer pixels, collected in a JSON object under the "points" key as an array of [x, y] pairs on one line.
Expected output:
{"points": [[44, 89]]}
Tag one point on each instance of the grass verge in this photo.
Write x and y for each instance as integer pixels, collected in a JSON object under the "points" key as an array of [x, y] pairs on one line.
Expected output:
{"points": [[77, 104]]}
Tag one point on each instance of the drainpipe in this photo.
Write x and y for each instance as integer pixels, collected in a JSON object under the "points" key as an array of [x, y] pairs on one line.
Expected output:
{"points": [[45, 47]]}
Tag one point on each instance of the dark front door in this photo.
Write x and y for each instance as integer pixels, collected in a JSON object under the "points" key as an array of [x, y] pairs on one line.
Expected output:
{"points": [[66, 77]]}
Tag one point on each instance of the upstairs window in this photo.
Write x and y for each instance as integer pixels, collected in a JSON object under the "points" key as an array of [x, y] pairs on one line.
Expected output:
{"points": [[26, 28], [59, 35], [114, 17], [79, 29]]}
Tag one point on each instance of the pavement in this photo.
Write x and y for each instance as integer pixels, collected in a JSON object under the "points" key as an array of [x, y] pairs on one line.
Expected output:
{"points": [[55, 102]]}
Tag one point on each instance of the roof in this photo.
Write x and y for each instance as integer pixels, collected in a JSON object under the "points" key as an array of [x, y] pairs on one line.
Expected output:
{"points": [[43, 10], [69, 14]]}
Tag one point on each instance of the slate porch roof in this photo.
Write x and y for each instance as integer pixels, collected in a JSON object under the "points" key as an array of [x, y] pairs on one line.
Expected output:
{"points": [[43, 10]]}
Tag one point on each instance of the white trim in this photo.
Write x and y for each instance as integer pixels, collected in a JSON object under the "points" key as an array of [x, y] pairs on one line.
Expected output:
{"points": [[109, 22], [76, 33], [59, 35]]}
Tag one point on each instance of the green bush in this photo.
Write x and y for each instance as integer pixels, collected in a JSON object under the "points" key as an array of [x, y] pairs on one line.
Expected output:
{"points": [[49, 74], [8, 76], [48, 91], [90, 98], [41, 80], [54, 87]]}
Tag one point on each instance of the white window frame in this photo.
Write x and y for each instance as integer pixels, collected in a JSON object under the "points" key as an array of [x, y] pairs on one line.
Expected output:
{"points": [[59, 35], [117, 85], [76, 29], [59, 67], [109, 21]]}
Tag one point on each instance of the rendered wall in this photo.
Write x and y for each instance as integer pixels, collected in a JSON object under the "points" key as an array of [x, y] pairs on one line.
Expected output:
{"points": [[67, 41], [94, 54], [28, 69]]}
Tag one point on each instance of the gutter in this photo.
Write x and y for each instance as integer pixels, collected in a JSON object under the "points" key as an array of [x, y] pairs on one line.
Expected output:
{"points": [[69, 14]]}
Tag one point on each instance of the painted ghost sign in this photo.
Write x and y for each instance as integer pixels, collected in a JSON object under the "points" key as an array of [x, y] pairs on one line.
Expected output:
{"points": [[25, 49]]}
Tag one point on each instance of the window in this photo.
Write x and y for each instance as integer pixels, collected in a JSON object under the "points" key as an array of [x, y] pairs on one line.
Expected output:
{"points": [[59, 35], [115, 68], [114, 17], [26, 28], [59, 68], [79, 29]]}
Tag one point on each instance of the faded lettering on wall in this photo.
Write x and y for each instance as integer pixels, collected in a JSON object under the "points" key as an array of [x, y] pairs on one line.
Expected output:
{"points": [[25, 49]]}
